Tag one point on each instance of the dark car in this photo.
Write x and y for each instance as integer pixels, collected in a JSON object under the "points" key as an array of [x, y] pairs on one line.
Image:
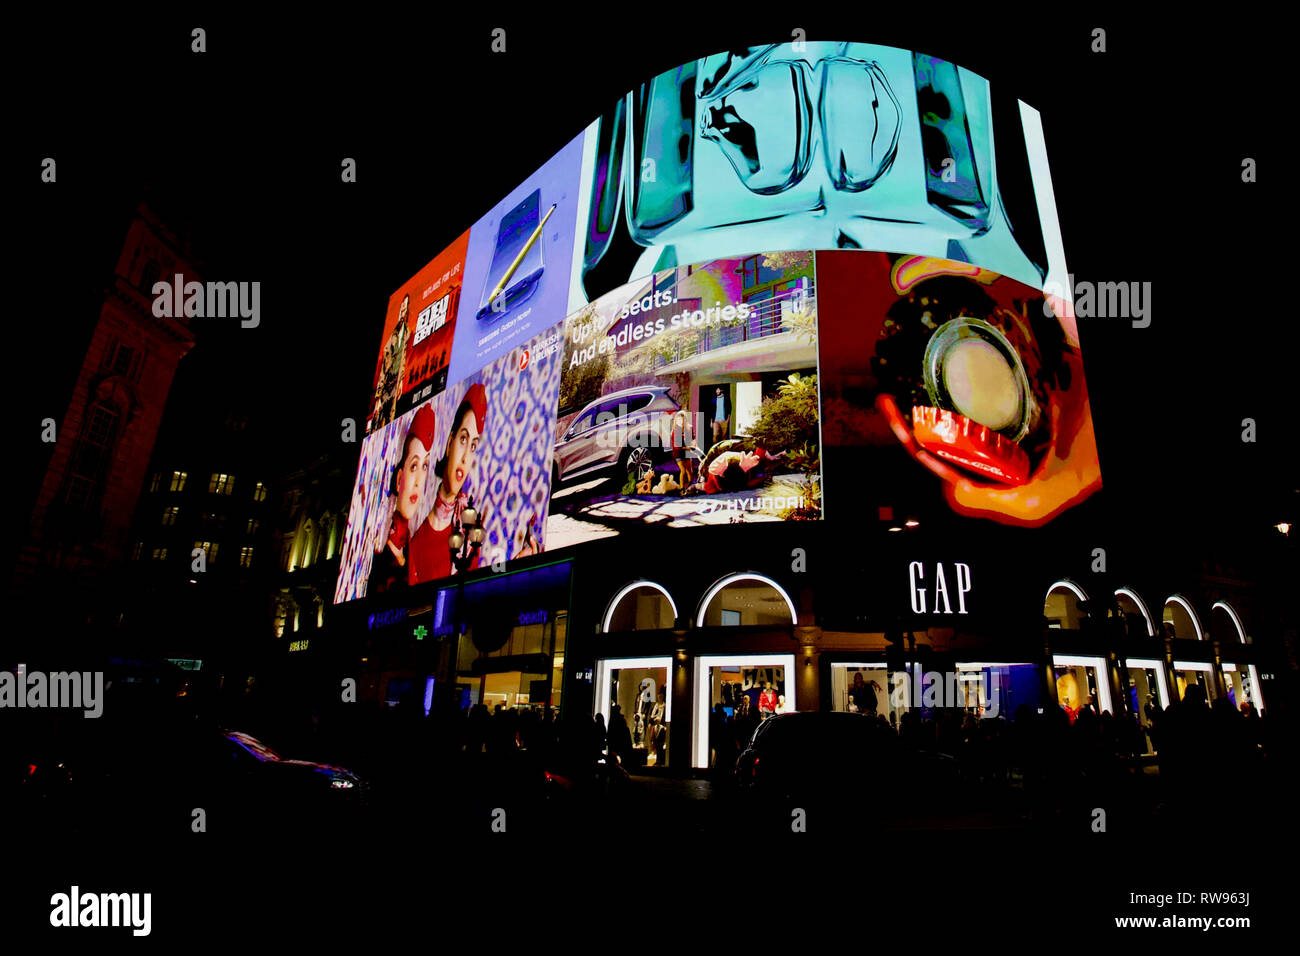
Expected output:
{"points": [[817, 754], [844, 766], [156, 778]]}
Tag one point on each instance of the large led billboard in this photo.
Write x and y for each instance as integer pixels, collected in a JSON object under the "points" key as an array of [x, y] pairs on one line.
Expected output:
{"points": [[418, 335], [672, 319], [976, 377]]}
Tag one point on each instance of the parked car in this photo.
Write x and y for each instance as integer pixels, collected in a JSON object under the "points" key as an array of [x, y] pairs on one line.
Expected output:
{"points": [[628, 433], [841, 766], [816, 754], [158, 777]]}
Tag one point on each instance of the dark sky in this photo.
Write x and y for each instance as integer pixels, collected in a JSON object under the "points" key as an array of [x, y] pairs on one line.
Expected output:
{"points": [[241, 147]]}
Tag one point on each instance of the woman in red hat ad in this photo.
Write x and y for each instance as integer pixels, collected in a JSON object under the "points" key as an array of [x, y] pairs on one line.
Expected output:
{"points": [[430, 554], [406, 488]]}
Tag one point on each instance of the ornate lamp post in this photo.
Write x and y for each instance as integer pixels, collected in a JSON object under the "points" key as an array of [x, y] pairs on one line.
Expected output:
{"points": [[464, 543]]}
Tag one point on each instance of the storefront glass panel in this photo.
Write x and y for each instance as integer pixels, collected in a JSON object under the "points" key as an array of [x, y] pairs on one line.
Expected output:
{"points": [[732, 696], [635, 693], [1081, 682]]}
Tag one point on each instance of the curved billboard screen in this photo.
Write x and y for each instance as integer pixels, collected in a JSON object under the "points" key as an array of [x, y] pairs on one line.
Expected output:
{"points": [[677, 321]]}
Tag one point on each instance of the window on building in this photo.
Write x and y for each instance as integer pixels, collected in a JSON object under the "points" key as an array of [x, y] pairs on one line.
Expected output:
{"points": [[160, 554], [149, 275], [756, 274], [209, 548], [169, 514], [178, 480], [245, 557], [124, 361], [221, 484], [90, 460], [157, 481], [253, 525], [259, 491], [137, 551]]}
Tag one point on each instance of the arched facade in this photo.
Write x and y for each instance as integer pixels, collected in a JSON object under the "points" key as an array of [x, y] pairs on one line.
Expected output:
{"points": [[640, 606], [745, 598]]}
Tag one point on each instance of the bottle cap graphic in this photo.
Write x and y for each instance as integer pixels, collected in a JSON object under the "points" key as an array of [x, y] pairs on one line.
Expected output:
{"points": [[971, 369], [977, 447]]}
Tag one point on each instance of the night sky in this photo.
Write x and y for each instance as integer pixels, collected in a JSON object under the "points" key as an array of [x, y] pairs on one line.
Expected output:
{"points": [[241, 147]]}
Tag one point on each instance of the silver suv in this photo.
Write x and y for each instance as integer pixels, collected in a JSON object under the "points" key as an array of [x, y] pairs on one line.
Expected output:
{"points": [[628, 430]]}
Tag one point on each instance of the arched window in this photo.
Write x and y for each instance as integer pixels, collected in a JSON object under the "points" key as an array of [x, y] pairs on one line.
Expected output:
{"points": [[1061, 606], [1131, 603], [1180, 617], [746, 599], [1225, 623], [640, 606]]}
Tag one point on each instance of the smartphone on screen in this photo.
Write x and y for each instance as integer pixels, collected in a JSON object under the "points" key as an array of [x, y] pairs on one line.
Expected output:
{"points": [[516, 228]]}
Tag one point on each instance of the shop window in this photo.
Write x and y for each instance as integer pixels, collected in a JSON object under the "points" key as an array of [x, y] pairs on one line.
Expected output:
{"points": [[1061, 606], [1180, 619], [738, 693], [1225, 624], [634, 697], [758, 600], [1243, 687], [1138, 621], [863, 688], [1081, 684], [643, 606]]}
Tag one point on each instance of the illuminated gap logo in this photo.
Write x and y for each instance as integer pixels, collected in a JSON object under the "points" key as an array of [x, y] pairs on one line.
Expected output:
{"points": [[209, 300], [102, 909], [82, 690]]}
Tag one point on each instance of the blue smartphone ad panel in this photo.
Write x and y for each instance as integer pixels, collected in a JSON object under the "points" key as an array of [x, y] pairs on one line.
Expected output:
{"points": [[517, 269]]}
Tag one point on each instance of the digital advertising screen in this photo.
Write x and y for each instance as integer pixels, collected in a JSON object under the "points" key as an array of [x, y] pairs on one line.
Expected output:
{"points": [[977, 377], [485, 442], [818, 145], [669, 374], [517, 269], [418, 335], [690, 398]]}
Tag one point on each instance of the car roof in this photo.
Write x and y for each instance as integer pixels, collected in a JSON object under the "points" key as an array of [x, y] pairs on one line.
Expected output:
{"points": [[624, 393]]}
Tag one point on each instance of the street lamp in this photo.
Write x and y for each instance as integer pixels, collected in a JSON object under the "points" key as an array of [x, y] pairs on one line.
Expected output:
{"points": [[464, 543], [467, 538]]}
